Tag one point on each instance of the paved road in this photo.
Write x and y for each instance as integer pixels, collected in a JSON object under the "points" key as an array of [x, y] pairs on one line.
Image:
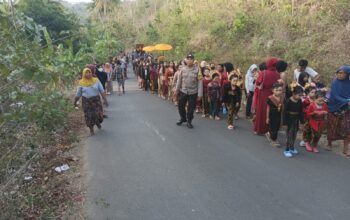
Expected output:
{"points": [[142, 166]]}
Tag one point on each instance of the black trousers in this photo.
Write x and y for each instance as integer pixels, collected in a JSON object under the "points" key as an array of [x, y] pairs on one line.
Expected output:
{"points": [[248, 111], [183, 100], [146, 84]]}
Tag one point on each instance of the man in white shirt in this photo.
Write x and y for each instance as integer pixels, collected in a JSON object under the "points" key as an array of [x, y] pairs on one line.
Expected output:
{"points": [[303, 67]]}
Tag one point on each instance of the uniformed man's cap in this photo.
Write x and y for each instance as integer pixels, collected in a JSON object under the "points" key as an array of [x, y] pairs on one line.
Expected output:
{"points": [[190, 56]]}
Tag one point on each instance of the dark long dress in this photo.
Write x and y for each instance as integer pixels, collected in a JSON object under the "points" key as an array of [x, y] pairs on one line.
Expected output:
{"points": [[93, 110], [265, 80]]}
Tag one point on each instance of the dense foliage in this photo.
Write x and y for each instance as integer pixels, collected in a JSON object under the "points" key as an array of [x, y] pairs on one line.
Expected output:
{"points": [[42, 51], [43, 47], [53, 16], [245, 32]]}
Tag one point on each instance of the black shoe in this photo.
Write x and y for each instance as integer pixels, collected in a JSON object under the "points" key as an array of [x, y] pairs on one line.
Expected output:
{"points": [[189, 125], [180, 122]]}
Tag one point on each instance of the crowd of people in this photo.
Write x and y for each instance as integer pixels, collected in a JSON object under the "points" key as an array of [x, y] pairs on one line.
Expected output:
{"points": [[273, 100], [96, 81]]}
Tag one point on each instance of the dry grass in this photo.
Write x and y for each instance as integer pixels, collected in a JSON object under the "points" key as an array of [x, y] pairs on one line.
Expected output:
{"points": [[49, 194]]}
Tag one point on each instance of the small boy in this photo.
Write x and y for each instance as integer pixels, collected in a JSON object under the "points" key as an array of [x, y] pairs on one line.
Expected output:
{"points": [[293, 117], [231, 97], [274, 110], [214, 95]]}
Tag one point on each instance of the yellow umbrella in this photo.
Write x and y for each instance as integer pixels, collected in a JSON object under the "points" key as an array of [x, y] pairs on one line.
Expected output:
{"points": [[163, 47], [149, 49]]}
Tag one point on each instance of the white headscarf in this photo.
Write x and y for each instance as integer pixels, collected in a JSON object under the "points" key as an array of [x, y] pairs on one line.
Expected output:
{"points": [[250, 70], [249, 78]]}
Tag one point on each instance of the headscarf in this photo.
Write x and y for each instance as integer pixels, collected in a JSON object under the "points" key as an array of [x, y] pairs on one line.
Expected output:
{"points": [[340, 91], [250, 77], [301, 81], [271, 63], [250, 70], [107, 68], [92, 67], [204, 64], [87, 82]]}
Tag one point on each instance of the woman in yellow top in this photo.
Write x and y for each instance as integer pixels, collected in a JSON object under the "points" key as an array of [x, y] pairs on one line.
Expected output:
{"points": [[90, 89]]}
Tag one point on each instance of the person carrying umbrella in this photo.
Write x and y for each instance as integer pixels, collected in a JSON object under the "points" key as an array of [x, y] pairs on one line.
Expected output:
{"points": [[189, 88]]}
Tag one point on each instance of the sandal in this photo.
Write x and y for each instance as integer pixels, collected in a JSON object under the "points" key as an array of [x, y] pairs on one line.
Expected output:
{"points": [[328, 148], [275, 144], [347, 154]]}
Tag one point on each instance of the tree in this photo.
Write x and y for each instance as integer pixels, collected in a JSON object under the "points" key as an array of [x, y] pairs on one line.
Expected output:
{"points": [[50, 14]]}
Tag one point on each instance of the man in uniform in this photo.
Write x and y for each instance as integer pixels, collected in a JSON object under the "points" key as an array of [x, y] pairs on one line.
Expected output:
{"points": [[189, 88]]}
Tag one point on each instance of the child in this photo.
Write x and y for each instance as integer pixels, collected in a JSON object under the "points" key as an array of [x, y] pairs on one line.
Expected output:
{"points": [[310, 97], [120, 78], [205, 102], [153, 78], [316, 114], [214, 96], [319, 84], [238, 73], [274, 109], [293, 115], [231, 97], [303, 79]]}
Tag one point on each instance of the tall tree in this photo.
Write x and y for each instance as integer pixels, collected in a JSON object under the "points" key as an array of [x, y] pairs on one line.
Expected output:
{"points": [[50, 14]]}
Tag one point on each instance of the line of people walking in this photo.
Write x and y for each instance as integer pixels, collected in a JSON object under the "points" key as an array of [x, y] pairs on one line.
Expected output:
{"points": [[96, 83], [273, 99]]}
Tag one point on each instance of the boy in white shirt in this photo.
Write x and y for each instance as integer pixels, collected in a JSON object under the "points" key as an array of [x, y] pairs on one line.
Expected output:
{"points": [[303, 67]]}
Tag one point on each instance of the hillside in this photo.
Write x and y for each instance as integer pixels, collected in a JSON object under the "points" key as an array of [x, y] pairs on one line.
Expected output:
{"points": [[244, 32]]}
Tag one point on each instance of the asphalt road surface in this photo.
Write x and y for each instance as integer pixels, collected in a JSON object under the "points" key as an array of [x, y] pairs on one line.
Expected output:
{"points": [[142, 166]]}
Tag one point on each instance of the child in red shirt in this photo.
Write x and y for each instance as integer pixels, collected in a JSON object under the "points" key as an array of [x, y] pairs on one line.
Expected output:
{"points": [[310, 92], [317, 113]]}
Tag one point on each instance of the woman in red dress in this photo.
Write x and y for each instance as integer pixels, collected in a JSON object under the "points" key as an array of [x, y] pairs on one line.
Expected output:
{"points": [[264, 83]]}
